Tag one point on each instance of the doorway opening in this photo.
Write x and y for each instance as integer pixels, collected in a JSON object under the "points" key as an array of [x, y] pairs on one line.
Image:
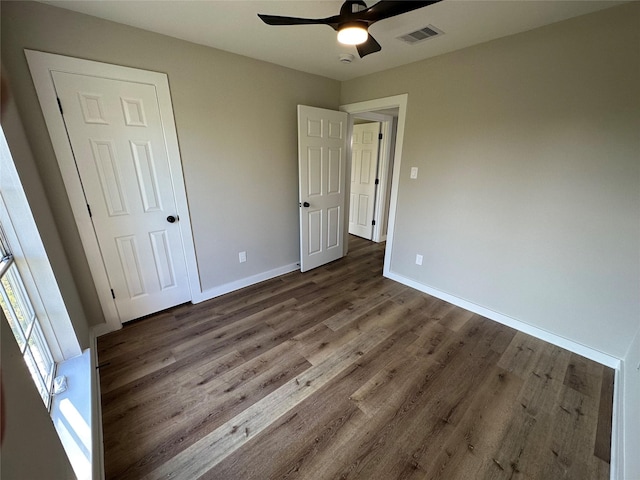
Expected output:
{"points": [[391, 113], [373, 141]]}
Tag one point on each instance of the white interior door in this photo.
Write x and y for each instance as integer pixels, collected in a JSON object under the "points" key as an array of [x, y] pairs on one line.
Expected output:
{"points": [[116, 134], [322, 145], [364, 167]]}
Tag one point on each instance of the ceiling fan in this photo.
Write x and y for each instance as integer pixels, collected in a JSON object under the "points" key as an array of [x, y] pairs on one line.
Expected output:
{"points": [[354, 20]]}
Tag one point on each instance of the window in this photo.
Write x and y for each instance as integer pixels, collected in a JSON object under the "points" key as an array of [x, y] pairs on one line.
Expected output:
{"points": [[24, 323], [32, 302]]}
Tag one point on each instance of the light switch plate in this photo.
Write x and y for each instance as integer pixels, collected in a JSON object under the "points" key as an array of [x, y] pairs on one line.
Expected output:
{"points": [[414, 173]]}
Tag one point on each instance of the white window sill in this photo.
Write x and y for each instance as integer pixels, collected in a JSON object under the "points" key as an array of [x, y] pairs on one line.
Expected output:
{"points": [[71, 413]]}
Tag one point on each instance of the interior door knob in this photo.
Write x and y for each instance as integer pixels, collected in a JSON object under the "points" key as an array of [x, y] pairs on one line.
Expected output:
{"points": [[306, 204], [171, 219]]}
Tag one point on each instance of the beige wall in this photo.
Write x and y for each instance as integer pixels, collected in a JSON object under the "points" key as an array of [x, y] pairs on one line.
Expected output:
{"points": [[236, 124], [528, 196]]}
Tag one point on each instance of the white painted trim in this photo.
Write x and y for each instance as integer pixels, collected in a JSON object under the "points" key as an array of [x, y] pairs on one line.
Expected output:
{"points": [[32, 261], [628, 436], [41, 65], [616, 466], [399, 101], [97, 435], [549, 337], [245, 282], [383, 173]]}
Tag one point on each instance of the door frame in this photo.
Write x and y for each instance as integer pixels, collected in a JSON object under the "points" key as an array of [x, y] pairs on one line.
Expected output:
{"points": [[41, 65], [382, 167], [399, 102]]}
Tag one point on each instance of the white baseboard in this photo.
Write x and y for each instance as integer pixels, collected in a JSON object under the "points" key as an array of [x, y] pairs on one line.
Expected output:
{"points": [[617, 446], [243, 282], [198, 297], [524, 327]]}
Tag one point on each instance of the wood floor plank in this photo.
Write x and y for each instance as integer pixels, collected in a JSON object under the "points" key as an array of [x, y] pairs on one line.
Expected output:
{"points": [[341, 373], [371, 437], [521, 355], [371, 295], [572, 438], [229, 334], [215, 447], [468, 451], [230, 392], [584, 376], [430, 411], [327, 417], [543, 385]]}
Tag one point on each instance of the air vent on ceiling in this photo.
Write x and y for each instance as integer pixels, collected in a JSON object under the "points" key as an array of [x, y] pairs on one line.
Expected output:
{"points": [[421, 35]]}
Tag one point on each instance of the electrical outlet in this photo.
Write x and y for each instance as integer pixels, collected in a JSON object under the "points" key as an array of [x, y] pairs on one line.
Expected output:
{"points": [[242, 256], [414, 173], [418, 259]]}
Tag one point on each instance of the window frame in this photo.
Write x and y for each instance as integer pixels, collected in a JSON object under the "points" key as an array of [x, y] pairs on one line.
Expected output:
{"points": [[28, 333]]}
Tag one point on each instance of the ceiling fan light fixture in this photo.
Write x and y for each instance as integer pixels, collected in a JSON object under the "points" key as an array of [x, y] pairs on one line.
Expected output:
{"points": [[353, 33]]}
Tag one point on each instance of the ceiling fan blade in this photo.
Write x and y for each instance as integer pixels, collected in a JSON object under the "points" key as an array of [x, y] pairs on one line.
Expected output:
{"points": [[391, 8], [277, 20], [370, 46]]}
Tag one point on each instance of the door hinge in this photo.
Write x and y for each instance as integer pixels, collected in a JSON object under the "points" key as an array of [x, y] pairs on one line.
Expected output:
{"points": [[373, 222], [89, 210], [60, 106], [113, 294], [379, 136], [377, 181]]}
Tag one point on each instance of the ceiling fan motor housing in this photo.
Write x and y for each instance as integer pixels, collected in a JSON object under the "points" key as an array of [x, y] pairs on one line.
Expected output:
{"points": [[352, 6]]}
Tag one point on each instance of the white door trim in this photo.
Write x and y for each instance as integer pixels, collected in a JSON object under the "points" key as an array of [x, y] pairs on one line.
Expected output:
{"points": [[41, 64], [399, 101]]}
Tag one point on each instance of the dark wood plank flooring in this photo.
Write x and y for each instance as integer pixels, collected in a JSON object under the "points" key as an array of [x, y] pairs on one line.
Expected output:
{"points": [[339, 373]]}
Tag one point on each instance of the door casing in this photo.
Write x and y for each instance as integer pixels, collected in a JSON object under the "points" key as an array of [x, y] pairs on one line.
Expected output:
{"points": [[396, 101], [41, 64]]}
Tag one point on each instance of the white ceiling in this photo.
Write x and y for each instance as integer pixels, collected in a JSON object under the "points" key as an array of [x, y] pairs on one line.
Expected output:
{"points": [[233, 25]]}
